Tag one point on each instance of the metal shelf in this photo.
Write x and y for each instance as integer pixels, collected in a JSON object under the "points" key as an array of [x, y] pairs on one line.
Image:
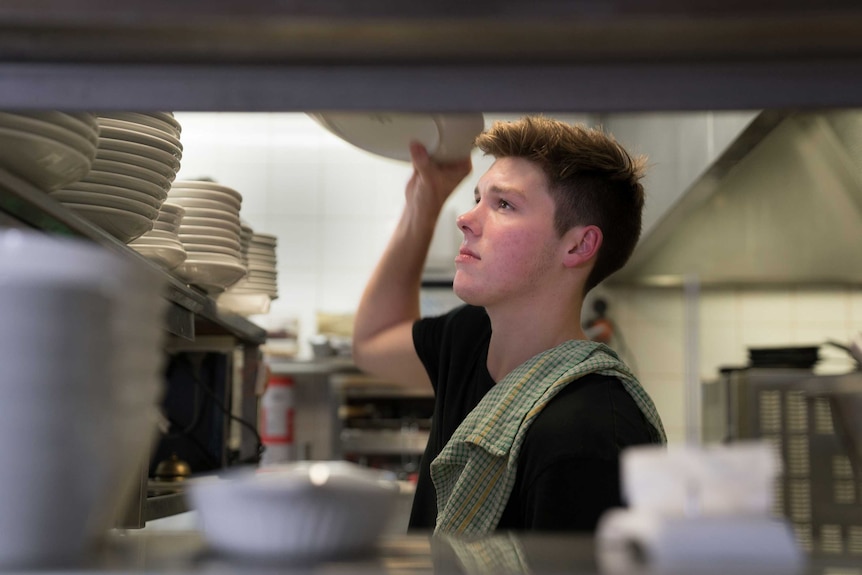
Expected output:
{"points": [[191, 311]]}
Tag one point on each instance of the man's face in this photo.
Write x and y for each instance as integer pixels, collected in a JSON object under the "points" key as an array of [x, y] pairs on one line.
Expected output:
{"points": [[510, 247]]}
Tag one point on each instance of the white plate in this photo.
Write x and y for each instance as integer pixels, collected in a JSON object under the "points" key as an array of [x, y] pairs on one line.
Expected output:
{"points": [[166, 256], [162, 144], [178, 194], [212, 249], [243, 304], [166, 170], [204, 203], [142, 128], [131, 170], [167, 158], [162, 234], [187, 229], [83, 124], [41, 127], [210, 240], [212, 223], [209, 187], [152, 240], [115, 191], [123, 225], [446, 136], [123, 181], [150, 120], [210, 274], [111, 201], [209, 256], [224, 212], [46, 163], [173, 208]]}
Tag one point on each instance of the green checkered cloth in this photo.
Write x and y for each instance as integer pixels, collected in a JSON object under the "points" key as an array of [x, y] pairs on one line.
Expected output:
{"points": [[475, 472]]}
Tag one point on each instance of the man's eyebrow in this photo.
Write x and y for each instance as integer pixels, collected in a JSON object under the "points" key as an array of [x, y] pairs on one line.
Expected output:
{"points": [[495, 189]]}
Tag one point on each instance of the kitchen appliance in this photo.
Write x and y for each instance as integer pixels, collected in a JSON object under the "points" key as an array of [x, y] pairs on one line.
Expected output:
{"points": [[819, 490]]}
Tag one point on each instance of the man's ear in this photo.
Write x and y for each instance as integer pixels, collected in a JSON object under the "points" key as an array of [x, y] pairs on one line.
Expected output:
{"points": [[582, 243]]}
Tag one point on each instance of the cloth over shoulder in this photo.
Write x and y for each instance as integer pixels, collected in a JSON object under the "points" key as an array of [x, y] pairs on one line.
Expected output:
{"points": [[475, 472]]}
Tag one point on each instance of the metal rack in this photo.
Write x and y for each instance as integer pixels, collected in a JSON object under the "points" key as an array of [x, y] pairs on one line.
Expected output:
{"points": [[192, 316]]}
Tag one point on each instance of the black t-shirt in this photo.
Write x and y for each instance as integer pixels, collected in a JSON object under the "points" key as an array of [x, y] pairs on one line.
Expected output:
{"points": [[568, 468]]}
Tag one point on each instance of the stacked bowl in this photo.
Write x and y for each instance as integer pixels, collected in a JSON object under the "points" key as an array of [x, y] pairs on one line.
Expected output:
{"points": [[137, 158], [48, 149], [210, 234], [254, 293], [75, 430], [162, 244]]}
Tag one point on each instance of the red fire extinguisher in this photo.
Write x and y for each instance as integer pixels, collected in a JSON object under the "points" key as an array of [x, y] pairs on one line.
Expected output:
{"points": [[277, 420]]}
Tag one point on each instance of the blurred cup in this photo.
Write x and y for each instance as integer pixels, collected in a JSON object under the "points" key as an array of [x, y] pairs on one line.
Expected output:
{"points": [[81, 345]]}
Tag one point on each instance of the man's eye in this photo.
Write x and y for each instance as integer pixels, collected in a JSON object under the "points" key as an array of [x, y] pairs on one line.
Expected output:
{"points": [[505, 205]]}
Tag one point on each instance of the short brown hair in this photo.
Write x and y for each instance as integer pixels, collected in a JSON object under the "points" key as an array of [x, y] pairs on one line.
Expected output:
{"points": [[592, 180]]}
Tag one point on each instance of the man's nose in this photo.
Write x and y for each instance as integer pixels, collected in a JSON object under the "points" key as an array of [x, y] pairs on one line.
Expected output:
{"points": [[468, 223]]}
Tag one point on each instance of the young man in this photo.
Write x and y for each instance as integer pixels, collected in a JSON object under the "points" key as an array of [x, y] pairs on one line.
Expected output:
{"points": [[530, 416]]}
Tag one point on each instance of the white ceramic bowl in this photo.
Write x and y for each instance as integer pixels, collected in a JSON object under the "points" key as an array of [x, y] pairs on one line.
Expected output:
{"points": [[212, 223], [93, 194], [146, 174], [211, 275], [159, 121], [446, 136], [228, 216], [305, 511], [42, 127], [146, 209], [244, 304], [164, 169], [84, 124], [161, 143], [149, 152], [122, 180], [211, 187], [123, 225], [187, 229], [44, 162], [166, 256]]}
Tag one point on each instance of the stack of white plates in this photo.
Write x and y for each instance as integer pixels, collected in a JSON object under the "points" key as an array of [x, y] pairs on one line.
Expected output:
{"points": [[48, 149], [162, 244], [210, 234], [137, 158], [253, 294]]}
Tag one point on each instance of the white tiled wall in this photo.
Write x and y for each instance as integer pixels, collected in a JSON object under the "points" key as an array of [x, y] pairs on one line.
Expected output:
{"points": [[652, 322], [333, 207]]}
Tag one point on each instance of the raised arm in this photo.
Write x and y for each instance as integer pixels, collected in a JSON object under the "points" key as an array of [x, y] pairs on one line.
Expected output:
{"points": [[382, 334]]}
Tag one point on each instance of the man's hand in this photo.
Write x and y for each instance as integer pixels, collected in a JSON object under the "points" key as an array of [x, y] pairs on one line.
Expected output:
{"points": [[433, 182]]}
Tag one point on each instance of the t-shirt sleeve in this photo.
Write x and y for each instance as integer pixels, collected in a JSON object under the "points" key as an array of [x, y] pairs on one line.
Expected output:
{"points": [[571, 495]]}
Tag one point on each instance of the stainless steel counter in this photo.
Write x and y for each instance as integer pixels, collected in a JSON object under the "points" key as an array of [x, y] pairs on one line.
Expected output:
{"points": [[503, 554]]}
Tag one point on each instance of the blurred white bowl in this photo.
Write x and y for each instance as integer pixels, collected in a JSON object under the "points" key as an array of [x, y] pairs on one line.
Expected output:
{"points": [[299, 512], [447, 137]]}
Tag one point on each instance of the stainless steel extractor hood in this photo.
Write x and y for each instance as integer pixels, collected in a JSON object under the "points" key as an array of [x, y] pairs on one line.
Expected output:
{"points": [[783, 204]]}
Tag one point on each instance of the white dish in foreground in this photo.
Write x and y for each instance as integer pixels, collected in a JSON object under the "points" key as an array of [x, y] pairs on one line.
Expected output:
{"points": [[304, 511], [447, 137]]}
